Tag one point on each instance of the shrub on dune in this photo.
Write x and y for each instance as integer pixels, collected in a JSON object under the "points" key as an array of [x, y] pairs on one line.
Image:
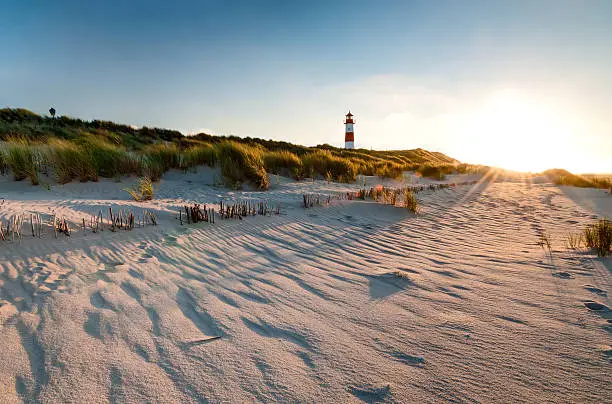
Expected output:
{"points": [[241, 163]]}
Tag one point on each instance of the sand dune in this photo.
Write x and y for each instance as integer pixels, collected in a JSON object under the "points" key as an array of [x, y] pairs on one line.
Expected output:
{"points": [[353, 301]]}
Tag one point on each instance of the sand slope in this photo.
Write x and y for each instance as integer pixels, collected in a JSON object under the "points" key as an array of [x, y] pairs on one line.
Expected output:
{"points": [[307, 304]]}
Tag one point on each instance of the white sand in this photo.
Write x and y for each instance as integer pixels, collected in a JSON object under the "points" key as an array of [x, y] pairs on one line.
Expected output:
{"points": [[307, 304]]}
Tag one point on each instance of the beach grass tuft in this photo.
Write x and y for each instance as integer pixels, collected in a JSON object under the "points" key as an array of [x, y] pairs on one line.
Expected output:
{"points": [[142, 191], [598, 236]]}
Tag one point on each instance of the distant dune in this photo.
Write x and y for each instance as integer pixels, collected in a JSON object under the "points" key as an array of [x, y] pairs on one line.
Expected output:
{"points": [[87, 150]]}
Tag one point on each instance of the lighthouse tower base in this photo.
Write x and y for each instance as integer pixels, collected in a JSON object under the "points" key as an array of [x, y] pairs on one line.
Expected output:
{"points": [[349, 145]]}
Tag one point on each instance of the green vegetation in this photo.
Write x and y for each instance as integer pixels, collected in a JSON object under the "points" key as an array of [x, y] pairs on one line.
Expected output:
{"points": [[143, 191], [283, 162], [23, 161], [198, 155], [329, 166], [71, 149], [69, 161], [598, 236], [241, 163]]}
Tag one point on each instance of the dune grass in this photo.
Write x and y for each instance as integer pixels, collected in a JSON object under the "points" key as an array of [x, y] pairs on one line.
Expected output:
{"points": [[90, 158], [240, 163], [325, 164], [598, 236], [436, 172], [564, 177], [23, 161], [159, 158], [71, 149], [142, 191], [4, 168], [70, 161], [198, 155], [283, 161], [389, 170]]}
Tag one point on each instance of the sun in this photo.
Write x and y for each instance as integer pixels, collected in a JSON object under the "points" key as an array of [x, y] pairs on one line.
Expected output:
{"points": [[515, 132]]}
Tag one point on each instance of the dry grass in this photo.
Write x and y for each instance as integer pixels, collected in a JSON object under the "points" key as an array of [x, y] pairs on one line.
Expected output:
{"points": [[564, 177], [410, 201], [574, 241], [545, 242]]}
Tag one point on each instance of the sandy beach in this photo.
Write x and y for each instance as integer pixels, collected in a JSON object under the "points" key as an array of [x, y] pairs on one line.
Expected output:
{"points": [[340, 303]]}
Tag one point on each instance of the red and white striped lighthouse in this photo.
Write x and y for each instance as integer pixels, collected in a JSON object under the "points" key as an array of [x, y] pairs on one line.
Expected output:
{"points": [[349, 134]]}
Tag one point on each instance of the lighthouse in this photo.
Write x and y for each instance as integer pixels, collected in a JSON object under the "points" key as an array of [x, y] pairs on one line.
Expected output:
{"points": [[349, 134]]}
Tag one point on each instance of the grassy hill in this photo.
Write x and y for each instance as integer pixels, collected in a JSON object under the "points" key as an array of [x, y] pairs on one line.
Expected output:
{"points": [[70, 148]]}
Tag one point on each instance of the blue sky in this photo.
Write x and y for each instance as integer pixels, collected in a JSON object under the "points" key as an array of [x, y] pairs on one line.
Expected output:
{"points": [[521, 84]]}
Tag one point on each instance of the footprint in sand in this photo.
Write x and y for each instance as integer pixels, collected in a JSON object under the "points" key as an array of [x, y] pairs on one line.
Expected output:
{"points": [[594, 306], [171, 241], [40, 266], [135, 274], [370, 394], [563, 275], [112, 266], [595, 290], [98, 301], [146, 256]]}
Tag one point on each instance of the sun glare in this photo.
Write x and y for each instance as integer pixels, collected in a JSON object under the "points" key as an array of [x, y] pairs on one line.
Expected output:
{"points": [[513, 132]]}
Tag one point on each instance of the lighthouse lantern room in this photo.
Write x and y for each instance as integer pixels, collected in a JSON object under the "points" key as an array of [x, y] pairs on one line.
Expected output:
{"points": [[349, 134]]}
